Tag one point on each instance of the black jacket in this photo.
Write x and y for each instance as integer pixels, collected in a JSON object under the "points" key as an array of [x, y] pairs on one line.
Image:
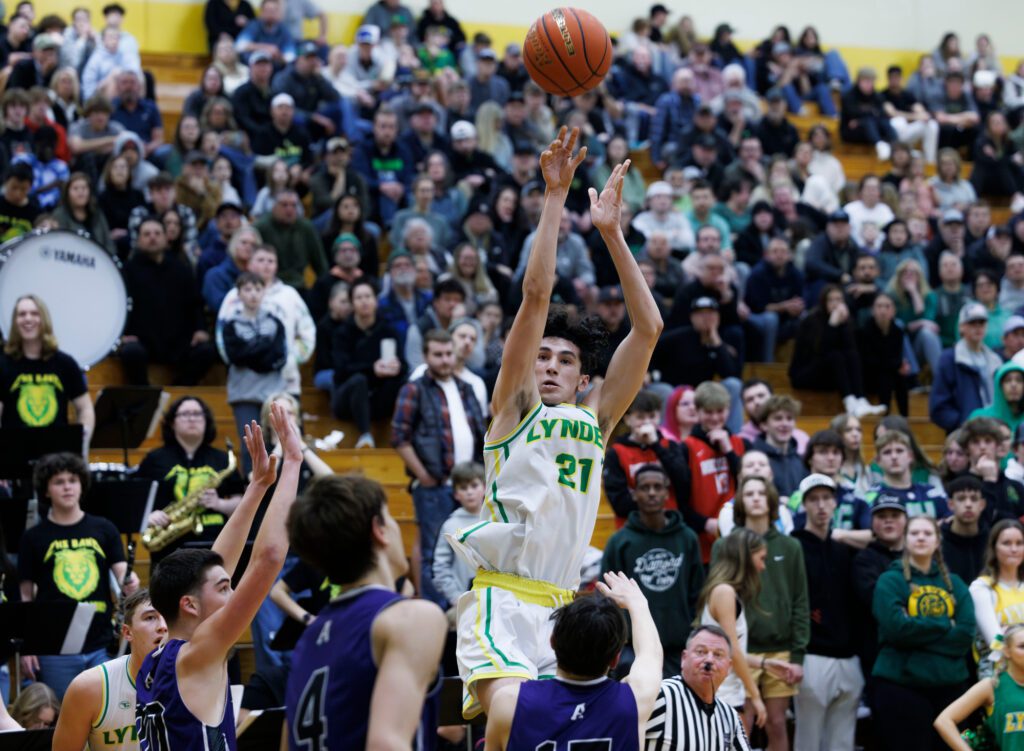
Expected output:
{"points": [[690, 291], [356, 350], [830, 594], [166, 306], [252, 107], [964, 556], [682, 359], [868, 565]]}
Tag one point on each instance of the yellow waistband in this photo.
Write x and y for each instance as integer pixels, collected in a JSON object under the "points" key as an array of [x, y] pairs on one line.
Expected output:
{"points": [[533, 591]]}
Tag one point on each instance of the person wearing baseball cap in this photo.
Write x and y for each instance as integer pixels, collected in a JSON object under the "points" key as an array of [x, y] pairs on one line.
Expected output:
{"points": [[826, 705], [888, 526], [697, 353], [469, 162], [966, 373], [316, 101], [1013, 337], [831, 255], [284, 139]]}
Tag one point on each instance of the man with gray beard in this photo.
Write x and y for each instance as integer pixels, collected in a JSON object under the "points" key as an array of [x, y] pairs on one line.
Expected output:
{"points": [[657, 549]]}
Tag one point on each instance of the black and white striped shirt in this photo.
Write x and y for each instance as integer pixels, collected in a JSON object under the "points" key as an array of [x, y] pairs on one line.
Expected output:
{"points": [[681, 721]]}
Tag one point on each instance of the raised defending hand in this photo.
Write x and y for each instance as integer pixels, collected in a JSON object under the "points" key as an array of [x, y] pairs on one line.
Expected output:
{"points": [[621, 590], [264, 467], [291, 444], [557, 164], [605, 209]]}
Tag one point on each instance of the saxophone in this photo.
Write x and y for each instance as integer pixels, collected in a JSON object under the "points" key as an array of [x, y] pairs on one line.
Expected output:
{"points": [[186, 514]]}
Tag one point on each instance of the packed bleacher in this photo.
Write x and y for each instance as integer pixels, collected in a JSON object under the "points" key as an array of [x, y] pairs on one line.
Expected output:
{"points": [[837, 255]]}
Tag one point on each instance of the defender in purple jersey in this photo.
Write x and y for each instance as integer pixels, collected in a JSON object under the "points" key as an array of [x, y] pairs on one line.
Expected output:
{"points": [[183, 698], [582, 706], [361, 671]]}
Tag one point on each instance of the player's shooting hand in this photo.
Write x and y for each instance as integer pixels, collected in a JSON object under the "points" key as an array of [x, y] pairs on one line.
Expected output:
{"points": [[557, 164], [264, 467], [621, 590], [605, 209], [291, 444]]}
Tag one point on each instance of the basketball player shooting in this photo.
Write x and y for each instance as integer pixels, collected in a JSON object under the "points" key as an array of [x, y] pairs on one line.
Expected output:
{"points": [[544, 452]]}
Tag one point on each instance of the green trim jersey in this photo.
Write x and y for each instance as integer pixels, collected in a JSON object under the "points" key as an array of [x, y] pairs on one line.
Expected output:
{"points": [[543, 484], [114, 726]]}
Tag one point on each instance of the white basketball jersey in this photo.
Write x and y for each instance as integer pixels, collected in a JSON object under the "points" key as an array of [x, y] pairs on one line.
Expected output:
{"points": [[543, 487], [114, 726]]}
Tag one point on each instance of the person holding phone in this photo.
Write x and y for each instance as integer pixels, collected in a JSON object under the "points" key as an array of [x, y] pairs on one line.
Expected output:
{"points": [[368, 370], [437, 424]]}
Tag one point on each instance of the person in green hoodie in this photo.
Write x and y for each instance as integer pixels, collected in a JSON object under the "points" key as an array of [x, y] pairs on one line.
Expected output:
{"points": [[1007, 397], [926, 624], [779, 625], [663, 555]]}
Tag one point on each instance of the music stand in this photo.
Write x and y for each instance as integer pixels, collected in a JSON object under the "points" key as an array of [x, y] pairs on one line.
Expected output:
{"points": [[27, 740], [125, 416], [126, 503], [44, 628], [262, 732]]}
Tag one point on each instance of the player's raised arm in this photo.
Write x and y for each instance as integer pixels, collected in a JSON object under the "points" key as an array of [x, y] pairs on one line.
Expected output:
{"points": [[645, 674], [215, 636], [516, 387], [231, 541], [629, 363]]}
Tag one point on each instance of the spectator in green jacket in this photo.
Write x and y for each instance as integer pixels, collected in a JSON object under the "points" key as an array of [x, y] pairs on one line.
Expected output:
{"points": [[663, 554], [926, 624], [297, 242], [780, 622]]}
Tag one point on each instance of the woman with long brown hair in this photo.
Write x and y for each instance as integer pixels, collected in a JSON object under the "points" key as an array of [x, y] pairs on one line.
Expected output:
{"points": [[998, 594], [733, 585], [78, 210], [38, 380]]}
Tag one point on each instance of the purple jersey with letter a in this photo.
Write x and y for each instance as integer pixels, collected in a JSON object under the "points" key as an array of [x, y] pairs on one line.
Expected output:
{"points": [[556, 715], [333, 674], [163, 721]]}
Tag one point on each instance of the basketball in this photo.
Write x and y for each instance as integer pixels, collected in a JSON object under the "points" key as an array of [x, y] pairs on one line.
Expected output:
{"points": [[567, 51]]}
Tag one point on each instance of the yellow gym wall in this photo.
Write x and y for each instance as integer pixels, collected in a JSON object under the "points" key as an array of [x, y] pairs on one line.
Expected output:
{"points": [[868, 32]]}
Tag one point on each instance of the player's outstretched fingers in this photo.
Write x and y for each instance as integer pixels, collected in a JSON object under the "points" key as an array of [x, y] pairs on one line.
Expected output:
{"points": [[579, 158]]}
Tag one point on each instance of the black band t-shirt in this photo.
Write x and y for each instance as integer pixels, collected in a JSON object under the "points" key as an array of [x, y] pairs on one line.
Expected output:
{"points": [[35, 393], [72, 563]]}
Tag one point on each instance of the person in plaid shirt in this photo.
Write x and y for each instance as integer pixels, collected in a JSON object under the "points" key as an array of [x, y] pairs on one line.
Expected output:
{"points": [[437, 424]]}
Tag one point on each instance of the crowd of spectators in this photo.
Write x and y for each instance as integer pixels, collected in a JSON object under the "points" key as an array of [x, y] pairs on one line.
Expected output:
{"points": [[371, 206]]}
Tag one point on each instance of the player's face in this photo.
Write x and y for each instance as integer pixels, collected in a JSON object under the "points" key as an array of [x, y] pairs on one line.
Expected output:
{"points": [[706, 661], [820, 505], [214, 593], [393, 548], [1014, 649], [558, 371], [147, 630]]}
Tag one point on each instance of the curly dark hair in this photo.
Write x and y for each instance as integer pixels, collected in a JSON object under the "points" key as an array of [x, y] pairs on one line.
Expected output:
{"points": [[587, 333]]}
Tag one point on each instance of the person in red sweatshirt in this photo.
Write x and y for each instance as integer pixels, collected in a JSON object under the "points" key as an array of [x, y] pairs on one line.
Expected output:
{"points": [[644, 444], [714, 461]]}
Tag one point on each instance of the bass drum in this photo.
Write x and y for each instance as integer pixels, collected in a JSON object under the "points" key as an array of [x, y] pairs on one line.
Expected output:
{"points": [[78, 280]]}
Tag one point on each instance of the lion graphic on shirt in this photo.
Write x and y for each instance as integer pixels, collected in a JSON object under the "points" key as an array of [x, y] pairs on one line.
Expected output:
{"points": [[76, 573], [37, 404]]}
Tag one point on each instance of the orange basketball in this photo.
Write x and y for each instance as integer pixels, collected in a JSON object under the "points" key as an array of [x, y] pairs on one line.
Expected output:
{"points": [[567, 51]]}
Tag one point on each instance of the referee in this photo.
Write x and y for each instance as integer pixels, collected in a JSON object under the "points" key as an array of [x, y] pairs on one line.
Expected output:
{"points": [[687, 716]]}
